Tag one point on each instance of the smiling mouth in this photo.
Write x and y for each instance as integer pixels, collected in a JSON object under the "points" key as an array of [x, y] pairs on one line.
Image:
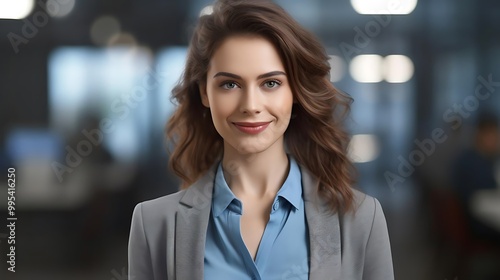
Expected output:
{"points": [[251, 124], [252, 128]]}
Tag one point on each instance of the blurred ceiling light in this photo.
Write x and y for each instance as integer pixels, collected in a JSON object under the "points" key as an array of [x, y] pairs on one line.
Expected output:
{"points": [[15, 9], [366, 68], [103, 29], [208, 10], [57, 10], [337, 68], [384, 7], [363, 148], [397, 68]]}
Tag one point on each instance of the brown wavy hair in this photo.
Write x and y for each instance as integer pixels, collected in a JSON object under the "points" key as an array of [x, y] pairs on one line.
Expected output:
{"points": [[315, 136]]}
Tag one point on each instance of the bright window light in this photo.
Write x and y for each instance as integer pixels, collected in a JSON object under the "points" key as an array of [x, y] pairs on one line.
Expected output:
{"points": [[15, 9], [363, 148], [337, 70], [384, 7], [397, 68], [366, 68], [171, 63], [110, 84]]}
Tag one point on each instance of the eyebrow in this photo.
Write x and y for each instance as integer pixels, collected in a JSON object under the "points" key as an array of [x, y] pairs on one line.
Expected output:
{"points": [[262, 76]]}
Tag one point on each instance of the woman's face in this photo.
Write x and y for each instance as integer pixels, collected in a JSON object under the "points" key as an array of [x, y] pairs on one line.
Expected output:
{"points": [[246, 87]]}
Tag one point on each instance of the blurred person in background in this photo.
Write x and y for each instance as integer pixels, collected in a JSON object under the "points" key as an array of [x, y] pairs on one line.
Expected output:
{"points": [[474, 170], [267, 186]]}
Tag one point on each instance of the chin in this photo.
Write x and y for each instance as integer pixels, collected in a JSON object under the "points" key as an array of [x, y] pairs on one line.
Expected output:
{"points": [[247, 150], [247, 147]]}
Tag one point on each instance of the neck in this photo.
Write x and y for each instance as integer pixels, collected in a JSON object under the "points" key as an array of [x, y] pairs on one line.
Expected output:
{"points": [[255, 175]]}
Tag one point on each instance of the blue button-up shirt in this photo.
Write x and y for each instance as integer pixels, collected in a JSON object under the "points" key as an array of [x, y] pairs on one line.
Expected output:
{"points": [[284, 247]]}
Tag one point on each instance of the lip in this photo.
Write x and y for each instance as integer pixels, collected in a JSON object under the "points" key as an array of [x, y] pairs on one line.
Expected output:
{"points": [[251, 127], [250, 124]]}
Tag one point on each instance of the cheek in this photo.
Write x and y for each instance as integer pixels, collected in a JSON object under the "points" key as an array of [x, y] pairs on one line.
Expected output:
{"points": [[222, 107], [283, 111], [285, 103]]}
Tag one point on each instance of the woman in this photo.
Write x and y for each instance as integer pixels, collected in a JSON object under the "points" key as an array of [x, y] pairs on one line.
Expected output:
{"points": [[261, 151]]}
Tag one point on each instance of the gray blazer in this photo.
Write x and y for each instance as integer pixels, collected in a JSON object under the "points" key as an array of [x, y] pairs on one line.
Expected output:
{"points": [[167, 236]]}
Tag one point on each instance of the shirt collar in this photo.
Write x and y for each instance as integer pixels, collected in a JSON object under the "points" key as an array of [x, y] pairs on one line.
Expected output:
{"points": [[291, 190], [292, 187]]}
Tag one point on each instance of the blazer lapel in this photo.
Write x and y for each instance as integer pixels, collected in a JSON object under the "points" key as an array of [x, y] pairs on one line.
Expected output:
{"points": [[191, 225], [324, 232]]}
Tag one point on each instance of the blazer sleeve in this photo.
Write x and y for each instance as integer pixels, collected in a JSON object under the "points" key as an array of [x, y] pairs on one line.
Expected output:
{"points": [[378, 258], [139, 257]]}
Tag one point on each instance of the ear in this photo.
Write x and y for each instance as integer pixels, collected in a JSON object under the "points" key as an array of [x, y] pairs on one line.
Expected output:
{"points": [[203, 94]]}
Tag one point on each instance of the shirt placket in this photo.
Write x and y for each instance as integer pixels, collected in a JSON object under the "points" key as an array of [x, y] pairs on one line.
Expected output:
{"points": [[270, 235], [265, 246], [234, 229]]}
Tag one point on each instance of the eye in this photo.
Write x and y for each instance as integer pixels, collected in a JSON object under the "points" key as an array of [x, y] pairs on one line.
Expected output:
{"points": [[229, 85], [272, 83]]}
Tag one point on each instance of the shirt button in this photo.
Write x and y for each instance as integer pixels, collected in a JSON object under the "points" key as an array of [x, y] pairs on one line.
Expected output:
{"points": [[276, 205]]}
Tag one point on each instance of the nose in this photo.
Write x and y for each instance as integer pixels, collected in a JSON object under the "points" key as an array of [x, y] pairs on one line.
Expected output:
{"points": [[251, 102]]}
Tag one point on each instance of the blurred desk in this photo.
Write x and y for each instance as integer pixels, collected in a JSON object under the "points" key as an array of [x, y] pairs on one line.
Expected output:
{"points": [[37, 188], [486, 207]]}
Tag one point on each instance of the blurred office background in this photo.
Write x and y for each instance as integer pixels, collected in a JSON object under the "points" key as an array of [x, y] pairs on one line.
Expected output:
{"points": [[85, 89]]}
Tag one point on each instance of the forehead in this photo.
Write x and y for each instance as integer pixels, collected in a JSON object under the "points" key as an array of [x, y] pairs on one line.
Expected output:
{"points": [[246, 54]]}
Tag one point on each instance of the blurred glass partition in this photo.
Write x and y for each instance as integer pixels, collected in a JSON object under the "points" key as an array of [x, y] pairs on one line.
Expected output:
{"points": [[170, 65], [106, 91]]}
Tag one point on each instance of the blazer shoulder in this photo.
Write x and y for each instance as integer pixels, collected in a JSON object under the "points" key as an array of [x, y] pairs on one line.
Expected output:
{"points": [[152, 236], [161, 207], [367, 210], [363, 202]]}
